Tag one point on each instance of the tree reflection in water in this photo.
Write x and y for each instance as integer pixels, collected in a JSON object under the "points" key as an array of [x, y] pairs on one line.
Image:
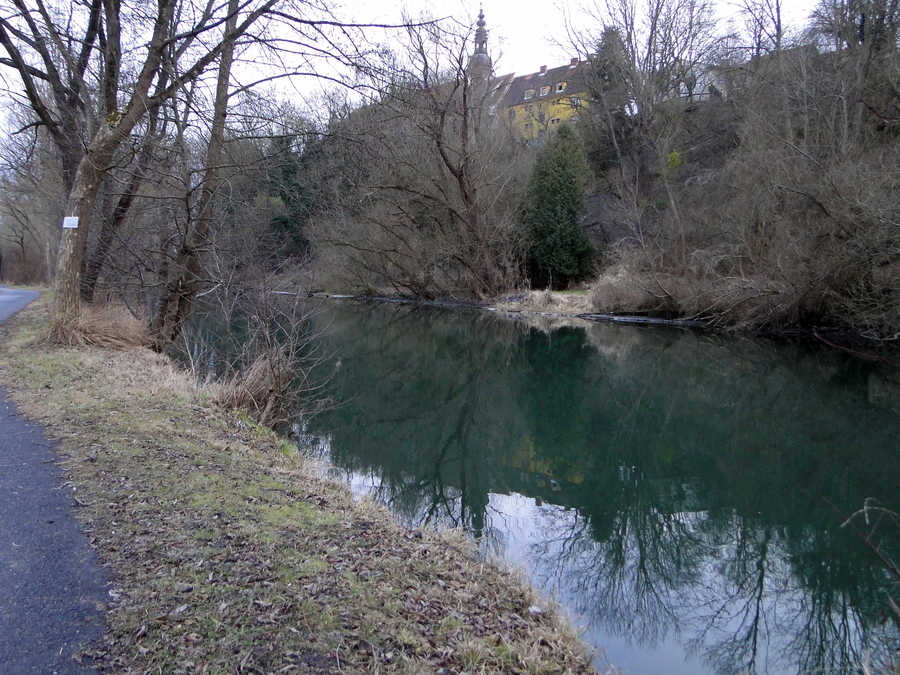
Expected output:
{"points": [[676, 483]]}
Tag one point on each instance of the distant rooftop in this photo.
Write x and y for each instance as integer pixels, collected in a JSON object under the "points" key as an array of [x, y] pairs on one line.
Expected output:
{"points": [[572, 74]]}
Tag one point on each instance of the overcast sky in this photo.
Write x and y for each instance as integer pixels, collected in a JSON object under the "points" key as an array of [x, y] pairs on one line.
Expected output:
{"points": [[523, 35]]}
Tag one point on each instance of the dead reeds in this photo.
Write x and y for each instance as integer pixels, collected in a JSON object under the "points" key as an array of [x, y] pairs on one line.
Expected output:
{"points": [[273, 379], [109, 325], [261, 388]]}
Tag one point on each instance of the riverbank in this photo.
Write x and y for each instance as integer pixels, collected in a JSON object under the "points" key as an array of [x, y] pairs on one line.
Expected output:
{"points": [[545, 309], [229, 551], [548, 310]]}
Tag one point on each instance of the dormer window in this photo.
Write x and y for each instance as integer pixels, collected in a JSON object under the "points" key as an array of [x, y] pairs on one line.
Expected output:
{"points": [[529, 93], [560, 87], [545, 90]]}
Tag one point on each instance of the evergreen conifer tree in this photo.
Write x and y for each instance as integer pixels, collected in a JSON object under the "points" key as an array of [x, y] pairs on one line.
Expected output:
{"points": [[558, 250], [295, 175]]}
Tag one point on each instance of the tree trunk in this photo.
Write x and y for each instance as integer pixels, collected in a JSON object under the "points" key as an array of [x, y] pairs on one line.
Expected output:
{"points": [[178, 298], [67, 300], [112, 224]]}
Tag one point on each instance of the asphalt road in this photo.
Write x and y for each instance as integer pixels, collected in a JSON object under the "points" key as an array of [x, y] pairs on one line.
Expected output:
{"points": [[51, 588]]}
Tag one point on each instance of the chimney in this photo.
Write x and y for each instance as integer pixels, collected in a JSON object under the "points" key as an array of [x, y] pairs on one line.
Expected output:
{"points": [[573, 62], [543, 70]]}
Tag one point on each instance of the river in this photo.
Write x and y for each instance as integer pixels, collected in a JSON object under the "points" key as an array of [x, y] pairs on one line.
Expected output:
{"points": [[680, 494]]}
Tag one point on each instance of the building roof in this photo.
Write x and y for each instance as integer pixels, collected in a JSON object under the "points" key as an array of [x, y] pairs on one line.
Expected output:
{"points": [[573, 74], [499, 87]]}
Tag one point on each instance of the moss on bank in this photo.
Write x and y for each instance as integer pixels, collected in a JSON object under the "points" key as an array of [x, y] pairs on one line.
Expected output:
{"points": [[229, 554]]}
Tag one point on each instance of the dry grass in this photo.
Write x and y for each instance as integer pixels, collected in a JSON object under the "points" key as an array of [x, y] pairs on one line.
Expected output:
{"points": [[230, 554], [546, 310], [256, 388], [621, 290], [111, 326], [564, 303]]}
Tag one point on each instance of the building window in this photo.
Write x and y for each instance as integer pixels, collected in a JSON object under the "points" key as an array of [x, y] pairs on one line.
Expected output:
{"points": [[545, 90], [555, 120], [560, 87], [529, 93]]}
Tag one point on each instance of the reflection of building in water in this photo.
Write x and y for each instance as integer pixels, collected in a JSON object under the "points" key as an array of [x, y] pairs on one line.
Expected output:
{"points": [[536, 470]]}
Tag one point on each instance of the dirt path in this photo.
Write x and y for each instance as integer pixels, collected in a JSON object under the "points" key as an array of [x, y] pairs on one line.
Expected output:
{"points": [[51, 588]]}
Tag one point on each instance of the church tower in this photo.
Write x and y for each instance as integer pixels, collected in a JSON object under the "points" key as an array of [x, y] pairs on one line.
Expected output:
{"points": [[480, 65]]}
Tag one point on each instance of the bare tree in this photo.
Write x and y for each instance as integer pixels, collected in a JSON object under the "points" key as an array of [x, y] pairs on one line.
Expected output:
{"points": [[852, 23], [764, 24], [432, 210], [648, 59], [40, 48], [91, 95], [665, 41], [175, 305], [31, 203]]}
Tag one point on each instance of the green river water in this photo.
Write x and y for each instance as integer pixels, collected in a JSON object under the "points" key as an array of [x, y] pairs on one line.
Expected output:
{"points": [[680, 494]]}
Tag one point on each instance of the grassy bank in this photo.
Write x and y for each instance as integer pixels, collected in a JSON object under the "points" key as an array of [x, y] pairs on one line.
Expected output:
{"points": [[230, 553]]}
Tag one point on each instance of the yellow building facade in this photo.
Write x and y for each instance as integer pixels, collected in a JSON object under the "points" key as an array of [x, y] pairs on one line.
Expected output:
{"points": [[536, 103], [531, 104]]}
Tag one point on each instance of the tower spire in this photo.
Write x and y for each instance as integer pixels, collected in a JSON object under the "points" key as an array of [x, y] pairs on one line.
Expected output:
{"points": [[480, 62], [481, 34]]}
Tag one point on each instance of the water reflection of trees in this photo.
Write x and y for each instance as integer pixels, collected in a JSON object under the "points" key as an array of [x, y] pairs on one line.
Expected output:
{"points": [[733, 598], [628, 582], [421, 394], [691, 472]]}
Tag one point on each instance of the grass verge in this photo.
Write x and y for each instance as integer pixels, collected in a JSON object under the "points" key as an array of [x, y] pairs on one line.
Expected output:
{"points": [[229, 554]]}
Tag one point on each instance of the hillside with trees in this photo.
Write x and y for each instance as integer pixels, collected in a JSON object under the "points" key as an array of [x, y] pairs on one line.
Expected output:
{"points": [[746, 178], [773, 203]]}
